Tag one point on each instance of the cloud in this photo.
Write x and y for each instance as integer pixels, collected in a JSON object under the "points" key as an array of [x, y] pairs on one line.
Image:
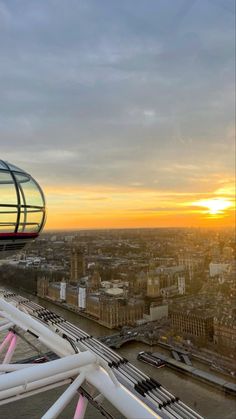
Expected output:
{"points": [[118, 94]]}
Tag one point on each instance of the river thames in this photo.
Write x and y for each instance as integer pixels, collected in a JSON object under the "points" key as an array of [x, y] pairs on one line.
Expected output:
{"points": [[209, 402]]}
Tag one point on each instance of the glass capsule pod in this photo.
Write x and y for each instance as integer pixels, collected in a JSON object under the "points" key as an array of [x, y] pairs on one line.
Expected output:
{"points": [[22, 208]]}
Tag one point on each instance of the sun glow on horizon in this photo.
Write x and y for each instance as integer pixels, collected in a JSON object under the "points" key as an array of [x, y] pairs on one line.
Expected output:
{"points": [[96, 206], [215, 206]]}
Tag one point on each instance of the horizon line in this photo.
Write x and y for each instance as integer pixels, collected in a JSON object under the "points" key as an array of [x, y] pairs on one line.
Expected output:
{"points": [[139, 228]]}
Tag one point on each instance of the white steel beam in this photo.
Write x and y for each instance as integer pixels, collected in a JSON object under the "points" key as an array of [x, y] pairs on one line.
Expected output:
{"points": [[19, 396], [39, 385], [4, 321], [119, 396], [14, 367], [46, 370], [38, 377], [6, 325], [64, 399], [57, 344], [31, 378]]}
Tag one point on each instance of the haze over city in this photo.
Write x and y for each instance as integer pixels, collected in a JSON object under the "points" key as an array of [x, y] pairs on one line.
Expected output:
{"points": [[123, 111]]}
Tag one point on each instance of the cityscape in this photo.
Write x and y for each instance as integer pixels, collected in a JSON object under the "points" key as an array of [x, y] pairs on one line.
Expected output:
{"points": [[117, 209], [181, 280]]}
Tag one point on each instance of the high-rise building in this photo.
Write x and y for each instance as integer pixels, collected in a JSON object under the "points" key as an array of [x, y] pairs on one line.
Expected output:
{"points": [[153, 282], [94, 282], [153, 286], [77, 265]]}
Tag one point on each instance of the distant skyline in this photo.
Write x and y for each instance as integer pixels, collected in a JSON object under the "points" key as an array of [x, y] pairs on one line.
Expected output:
{"points": [[124, 111]]}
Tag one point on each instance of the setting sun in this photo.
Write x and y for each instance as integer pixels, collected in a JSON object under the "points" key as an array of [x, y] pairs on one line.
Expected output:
{"points": [[215, 206]]}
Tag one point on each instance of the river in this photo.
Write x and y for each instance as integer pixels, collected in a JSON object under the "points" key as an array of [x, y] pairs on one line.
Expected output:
{"points": [[209, 402]]}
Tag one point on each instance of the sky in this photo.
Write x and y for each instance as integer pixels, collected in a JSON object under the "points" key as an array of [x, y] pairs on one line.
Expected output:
{"points": [[122, 110]]}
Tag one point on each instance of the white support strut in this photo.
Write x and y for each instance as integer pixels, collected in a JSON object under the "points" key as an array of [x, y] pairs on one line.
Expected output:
{"points": [[49, 369], [107, 375], [126, 402], [65, 398], [58, 345]]}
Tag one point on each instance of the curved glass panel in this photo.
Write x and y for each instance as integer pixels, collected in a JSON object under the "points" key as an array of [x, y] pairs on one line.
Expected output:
{"points": [[22, 203], [30, 190], [2, 165], [12, 167], [7, 189]]}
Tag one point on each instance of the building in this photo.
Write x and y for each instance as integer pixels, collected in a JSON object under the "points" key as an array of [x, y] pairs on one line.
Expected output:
{"points": [[82, 297], [153, 282], [77, 264], [225, 332], [157, 312], [93, 305], [153, 286], [63, 291], [139, 283], [118, 312], [94, 282], [54, 289], [72, 295], [181, 284], [196, 322], [166, 282], [191, 262], [42, 286], [217, 269]]}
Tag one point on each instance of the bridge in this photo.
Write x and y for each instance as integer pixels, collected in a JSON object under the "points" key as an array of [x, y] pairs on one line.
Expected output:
{"points": [[142, 333], [82, 359], [117, 340]]}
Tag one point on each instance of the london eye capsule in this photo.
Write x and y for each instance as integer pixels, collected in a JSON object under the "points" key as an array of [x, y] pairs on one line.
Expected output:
{"points": [[22, 208]]}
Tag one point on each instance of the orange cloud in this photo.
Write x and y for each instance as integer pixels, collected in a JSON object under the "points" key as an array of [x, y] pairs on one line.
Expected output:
{"points": [[111, 207]]}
